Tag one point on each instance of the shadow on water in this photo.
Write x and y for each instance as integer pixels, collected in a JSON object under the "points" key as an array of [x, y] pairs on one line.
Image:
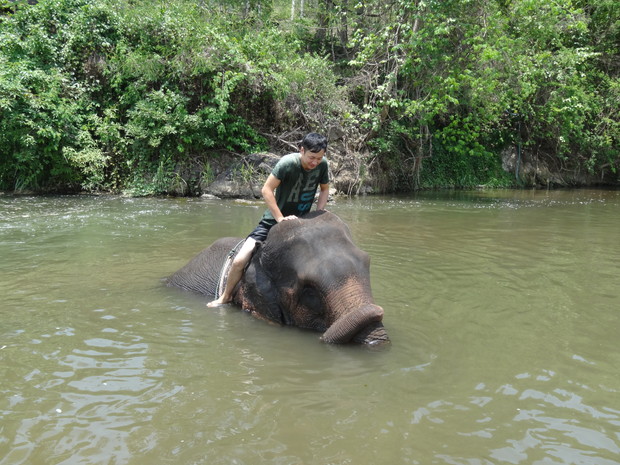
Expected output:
{"points": [[501, 307]]}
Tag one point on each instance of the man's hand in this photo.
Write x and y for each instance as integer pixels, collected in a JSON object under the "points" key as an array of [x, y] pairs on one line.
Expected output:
{"points": [[286, 218]]}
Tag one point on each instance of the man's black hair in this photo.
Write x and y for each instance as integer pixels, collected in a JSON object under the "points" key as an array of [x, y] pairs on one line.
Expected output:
{"points": [[314, 142]]}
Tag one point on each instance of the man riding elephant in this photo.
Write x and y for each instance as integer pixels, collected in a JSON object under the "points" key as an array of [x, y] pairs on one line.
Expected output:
{"points": [[289, 193], [296, 268], [308, 273]]}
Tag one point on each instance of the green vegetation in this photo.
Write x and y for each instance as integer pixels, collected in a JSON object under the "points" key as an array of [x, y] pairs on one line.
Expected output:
{"points": [[139, 96]]}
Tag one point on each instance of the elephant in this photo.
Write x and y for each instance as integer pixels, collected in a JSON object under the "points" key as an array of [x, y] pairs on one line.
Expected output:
{"points": [[308, 273]]}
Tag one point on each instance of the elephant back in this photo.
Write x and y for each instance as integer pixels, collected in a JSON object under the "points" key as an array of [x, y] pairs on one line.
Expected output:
{"points": [[202, 273]]}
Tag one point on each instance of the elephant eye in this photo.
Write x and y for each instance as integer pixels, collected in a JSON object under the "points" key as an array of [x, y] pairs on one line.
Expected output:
{"points": [[310, 298], [309, 311]]}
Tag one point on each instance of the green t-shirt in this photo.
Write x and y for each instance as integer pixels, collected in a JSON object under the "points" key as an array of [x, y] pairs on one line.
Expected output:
{"points": [[297, 188]]}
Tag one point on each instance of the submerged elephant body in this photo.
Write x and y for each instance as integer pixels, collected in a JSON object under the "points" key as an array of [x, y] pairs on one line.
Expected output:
{"points": [[308, 273]]}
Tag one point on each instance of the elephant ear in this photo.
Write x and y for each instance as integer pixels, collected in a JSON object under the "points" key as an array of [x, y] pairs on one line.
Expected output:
{"points": [[258, 293]]}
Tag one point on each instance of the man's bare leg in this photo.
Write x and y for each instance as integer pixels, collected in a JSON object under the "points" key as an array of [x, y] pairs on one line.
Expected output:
{"points": [[236, 272]]}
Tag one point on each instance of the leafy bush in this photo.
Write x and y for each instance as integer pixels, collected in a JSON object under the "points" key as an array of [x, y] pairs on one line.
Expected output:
{"points": [[114, 94], [44, 107], [450, 72], [132, 95]]}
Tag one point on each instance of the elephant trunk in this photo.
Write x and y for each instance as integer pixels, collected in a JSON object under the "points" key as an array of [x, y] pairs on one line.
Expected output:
{"points": [[373, 335], [347, 326]]}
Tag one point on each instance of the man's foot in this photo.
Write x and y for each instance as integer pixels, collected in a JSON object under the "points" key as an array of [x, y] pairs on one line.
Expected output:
{"points": [[217, 302]]}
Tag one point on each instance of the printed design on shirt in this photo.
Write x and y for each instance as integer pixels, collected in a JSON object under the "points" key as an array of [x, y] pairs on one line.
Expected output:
{"points": [[303, 191]]}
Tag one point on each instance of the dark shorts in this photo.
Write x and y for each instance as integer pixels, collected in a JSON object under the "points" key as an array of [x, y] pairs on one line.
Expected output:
{"points": [[260, 232]]}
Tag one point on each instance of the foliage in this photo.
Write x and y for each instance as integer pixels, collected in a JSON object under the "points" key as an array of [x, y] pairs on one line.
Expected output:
{"points": [[139, 96], [124, 95], [450, 73]]}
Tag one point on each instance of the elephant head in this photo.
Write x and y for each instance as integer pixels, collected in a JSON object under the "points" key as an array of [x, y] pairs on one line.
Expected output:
{"points": [[308, 273]]}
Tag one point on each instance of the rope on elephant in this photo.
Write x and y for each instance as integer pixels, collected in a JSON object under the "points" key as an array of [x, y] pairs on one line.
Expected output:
{"points": [[221, 282]]}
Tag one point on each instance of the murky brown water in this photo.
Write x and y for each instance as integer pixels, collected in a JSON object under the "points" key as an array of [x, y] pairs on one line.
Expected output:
{"points": [[502, 308]]}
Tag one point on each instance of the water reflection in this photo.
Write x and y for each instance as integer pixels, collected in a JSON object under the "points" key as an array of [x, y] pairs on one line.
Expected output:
{"points": [[501, 307]]}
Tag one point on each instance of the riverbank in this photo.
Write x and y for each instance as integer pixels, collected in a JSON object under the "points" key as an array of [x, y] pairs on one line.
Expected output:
{"points": [[360, 172]]}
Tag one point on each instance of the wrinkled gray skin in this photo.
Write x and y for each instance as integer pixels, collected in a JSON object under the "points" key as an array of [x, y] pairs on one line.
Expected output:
{"points": [[308, 273]]}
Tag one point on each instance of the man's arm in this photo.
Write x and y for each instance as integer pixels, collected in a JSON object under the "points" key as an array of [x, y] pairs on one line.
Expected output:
{"points": [[270, 199], [323, 196]]}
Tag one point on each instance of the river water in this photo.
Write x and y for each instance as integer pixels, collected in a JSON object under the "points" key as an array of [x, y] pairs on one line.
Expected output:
{"points": [[502, 307]]}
